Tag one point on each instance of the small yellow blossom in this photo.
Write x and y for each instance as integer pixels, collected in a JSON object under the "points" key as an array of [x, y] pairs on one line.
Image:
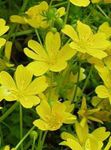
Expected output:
{"points": [[85, 41], [88, 114], [3, 30], [22, 89], [52, 117], [37, 16], [83, 140], [51, 57]]}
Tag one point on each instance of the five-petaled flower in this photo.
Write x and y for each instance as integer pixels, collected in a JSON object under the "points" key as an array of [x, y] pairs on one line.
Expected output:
{"points": [[22, 89], [52, 117], [85, 41], [51, 57]]}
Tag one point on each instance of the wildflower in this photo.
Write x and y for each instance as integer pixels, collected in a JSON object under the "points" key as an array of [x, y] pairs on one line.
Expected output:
{"points": [[83, 139], [104, 91], [37, 16], [52, 116], [88, 114], [3, 30], [22, 88], [85, 41], [52, 57]]}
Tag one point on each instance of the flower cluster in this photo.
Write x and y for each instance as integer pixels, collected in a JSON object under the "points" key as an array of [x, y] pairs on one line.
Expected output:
{"points": [[57, 68]]}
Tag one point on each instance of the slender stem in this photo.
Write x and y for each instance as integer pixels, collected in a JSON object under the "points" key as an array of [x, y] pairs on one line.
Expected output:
{"points": [[21, 125], [23, 33], [39, 140], [26, 135], [67, 12], [87, 79], [75, 88], [38, 36], [60, 4], [33, 144], [9, 111], [43, 139], [100, 9], [25, 2]]}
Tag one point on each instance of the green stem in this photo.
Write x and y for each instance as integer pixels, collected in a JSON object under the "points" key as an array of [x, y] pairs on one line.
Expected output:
{"points": [[67, 12], [60, 4], [21, 125], [87, 79], [43, 139], [23, 33], [26, 135], [25, 2], [38, 36], [9, 111], [39, 140], [100, 9], [33, 144], [75, 88]]}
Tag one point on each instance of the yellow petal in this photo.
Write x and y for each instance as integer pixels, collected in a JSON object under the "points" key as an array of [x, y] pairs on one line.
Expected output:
{"points": [[100, 134], [69, 118], [102, 91], [29, 101], [58, 66], [69, 31], [61, 11], [97, 53], [8, 48], [2, 42], [32, 54], [37, 86], [66, 135], [44, 110], [41, 124], [3, 28], [83, 3], [7, 81], [23, 77], [52, 43], [73, 144], [17, 19], [37, 48], [38, 68], [66, 53], [84, 31]]}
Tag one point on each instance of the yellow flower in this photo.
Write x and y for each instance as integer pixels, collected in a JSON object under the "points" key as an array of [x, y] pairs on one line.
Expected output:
{"points": [[36, 16], [52, 117], [84, 140], [33, 16], [3, 30], [22, 89], [51, 57], [104, 91], [85, 41], [88, 114]]}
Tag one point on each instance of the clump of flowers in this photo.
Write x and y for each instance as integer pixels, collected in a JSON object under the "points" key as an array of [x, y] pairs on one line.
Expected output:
{"points": [[55, 75]]}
